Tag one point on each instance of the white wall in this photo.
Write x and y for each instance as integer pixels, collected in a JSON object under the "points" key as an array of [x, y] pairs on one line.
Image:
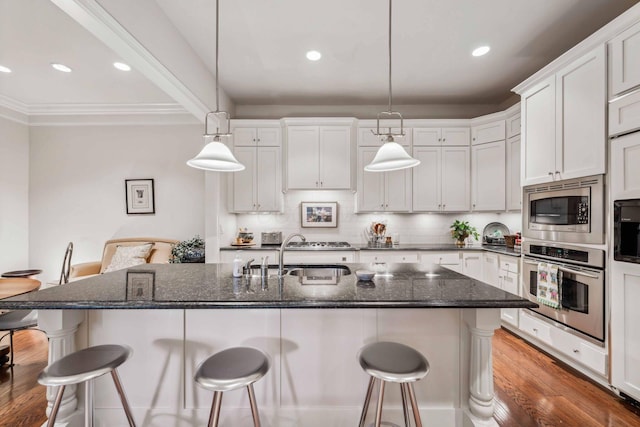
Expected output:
{"points": [[412, 228], [14, 200], [77, 190]]}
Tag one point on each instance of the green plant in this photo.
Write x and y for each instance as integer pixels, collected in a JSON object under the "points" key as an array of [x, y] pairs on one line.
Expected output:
{"points": [[188, 251], [460, 230]]}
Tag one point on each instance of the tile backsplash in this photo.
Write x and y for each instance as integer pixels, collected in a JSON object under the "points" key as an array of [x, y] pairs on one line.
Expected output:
{"points": [[411, 228]]}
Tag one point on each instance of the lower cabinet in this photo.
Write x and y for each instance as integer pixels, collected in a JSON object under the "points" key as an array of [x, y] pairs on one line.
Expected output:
{"points": [[472, 264], [392, 256], [502, 271], [318, 257], [451, 260]]}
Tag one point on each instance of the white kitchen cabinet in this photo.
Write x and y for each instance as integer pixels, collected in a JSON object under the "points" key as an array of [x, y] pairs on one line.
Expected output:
{"points": [[449, 259], [587, 354], [512, 124], [256, 136], [366, 137], [625, 171], [488, 132], [502, 271], [624, 114], [564, 122], [509, 282], [319, 158], [382, 191], [472, 264], [535, 327], [513, 188], [390, 256], [454, 136], [625, 318], [491, 269], [488, 177], [257, 188], [318, 257], [441, 182], [624, 60]]}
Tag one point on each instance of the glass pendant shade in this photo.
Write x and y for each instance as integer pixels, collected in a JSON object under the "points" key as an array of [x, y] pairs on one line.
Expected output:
{"points": [[216, 157], [390, 157]]}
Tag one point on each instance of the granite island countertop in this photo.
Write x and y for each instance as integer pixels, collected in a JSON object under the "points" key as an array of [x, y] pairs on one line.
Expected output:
{"points": [[209, 286]]}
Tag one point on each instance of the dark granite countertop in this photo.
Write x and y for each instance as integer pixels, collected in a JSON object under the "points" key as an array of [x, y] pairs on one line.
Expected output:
{"points": [[201, 286]]}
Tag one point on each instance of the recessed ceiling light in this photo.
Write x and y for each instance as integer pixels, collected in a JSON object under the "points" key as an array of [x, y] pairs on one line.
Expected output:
{"points": [[313, 55], [4, 69], [61, 67], [482, 50], [122, 66]]}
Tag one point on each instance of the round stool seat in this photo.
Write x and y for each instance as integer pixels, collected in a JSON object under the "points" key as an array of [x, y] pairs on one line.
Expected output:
{"points": [[232, 368], [394, 362], [84, 365]]}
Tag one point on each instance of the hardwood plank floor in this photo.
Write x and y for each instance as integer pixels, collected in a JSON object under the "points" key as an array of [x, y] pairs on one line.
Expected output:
{"points": [[532, 389]]}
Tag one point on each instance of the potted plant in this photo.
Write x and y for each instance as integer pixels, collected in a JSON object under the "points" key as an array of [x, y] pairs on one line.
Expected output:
{"points": [[188, 251], [460, 230]]}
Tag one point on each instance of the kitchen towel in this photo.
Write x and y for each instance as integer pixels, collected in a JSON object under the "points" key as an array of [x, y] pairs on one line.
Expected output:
{"points": [[548, 292]]}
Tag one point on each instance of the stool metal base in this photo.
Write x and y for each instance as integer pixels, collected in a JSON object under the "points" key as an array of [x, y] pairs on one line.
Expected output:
{"points": [[406, 390]]}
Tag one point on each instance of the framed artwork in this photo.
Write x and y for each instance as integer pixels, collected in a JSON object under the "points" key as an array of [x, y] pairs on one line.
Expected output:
{"points": [[140, 285], [319, 214], [140, 198]]}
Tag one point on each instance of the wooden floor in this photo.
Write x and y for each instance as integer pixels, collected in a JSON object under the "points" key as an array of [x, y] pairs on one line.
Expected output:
{"points": [[532, 389]]}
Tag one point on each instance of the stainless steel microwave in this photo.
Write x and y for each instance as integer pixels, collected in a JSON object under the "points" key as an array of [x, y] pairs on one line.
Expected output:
{"points": [[569, 211]]}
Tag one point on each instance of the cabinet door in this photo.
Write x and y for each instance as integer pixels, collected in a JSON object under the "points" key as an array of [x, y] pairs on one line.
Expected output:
{"points": [[370, 184], [490, 269], [427, 136], [494, 131], [388, 256], [488, 171], [625, 167], [244, 137], [427, 179], [269, 137], [268, 180], [335, 157], [397, 190], [472, 264], [624, 114], [513, 125], [456, 176], [625, 60], [366, 138], [303, 167], [244, 182], [514, 190], [581, 137], [538, 130], [456, 137]]}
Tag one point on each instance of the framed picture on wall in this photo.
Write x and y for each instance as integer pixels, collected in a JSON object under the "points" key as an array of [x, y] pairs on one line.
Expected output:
{"points": [[140, 198], [319, 214]]}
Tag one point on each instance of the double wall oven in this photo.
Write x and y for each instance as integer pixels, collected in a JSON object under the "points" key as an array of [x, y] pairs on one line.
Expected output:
{"points": [[558, 218]]}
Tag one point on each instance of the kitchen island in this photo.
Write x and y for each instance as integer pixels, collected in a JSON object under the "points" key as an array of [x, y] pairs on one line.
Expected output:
{"points": [[174, 316]]}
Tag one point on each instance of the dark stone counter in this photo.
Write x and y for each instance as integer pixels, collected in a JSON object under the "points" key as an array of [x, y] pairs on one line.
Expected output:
{"points": [[203, 286]]}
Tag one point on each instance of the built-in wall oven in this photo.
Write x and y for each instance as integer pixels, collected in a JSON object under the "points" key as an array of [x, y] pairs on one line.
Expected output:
{"points": [[580, 282], [565, 211]]}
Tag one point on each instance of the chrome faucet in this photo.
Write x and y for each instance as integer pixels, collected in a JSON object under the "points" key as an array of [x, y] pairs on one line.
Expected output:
{"points": [[283, 246], [247, 268]]}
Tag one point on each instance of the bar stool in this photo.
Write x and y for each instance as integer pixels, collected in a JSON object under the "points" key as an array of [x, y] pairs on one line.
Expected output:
{"points": [[85, 366], [393, 362], [231, 369]]}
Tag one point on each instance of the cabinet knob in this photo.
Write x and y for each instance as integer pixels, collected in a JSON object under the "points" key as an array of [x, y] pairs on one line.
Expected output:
{"points": [[387, 205], [439, 139], [535, 330], [444, 206], [474, 138], [551, 173], [576, 351], [258, 139], [321, 183], [444, 139], [316, 183]]}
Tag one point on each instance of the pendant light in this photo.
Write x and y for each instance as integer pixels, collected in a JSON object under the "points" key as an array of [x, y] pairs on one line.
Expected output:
{"points": [[391, 156], [216, 156]]}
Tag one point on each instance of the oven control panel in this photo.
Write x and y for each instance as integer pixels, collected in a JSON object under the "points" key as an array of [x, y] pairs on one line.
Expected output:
{"points": [[559, 252]]}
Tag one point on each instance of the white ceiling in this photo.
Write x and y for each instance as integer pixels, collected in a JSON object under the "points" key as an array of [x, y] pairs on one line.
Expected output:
{"points": [[263, 42]]}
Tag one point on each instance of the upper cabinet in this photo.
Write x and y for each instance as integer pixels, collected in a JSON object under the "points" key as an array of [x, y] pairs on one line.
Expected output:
{"points": [[563, 124], [488, 176], [257, 188], [514, 190], [488, 132], [624, 58], [455, 136], [319, 157]]}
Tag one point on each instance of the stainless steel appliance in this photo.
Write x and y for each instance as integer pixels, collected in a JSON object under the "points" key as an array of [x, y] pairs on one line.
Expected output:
{"points": [[318, 245], [626, 230], [271, 238], [569, 211], [581, 286]]}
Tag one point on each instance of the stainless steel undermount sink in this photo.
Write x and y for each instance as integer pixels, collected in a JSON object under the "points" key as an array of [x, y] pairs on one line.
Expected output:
{"points": [[319, 274]]}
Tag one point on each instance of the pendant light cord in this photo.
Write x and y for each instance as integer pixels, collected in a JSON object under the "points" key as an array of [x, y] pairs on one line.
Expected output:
{"points": [[390, 55], [217, 32]]}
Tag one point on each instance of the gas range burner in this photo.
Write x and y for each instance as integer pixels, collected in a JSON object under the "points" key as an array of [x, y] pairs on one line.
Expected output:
{"points": [[318, 245]]}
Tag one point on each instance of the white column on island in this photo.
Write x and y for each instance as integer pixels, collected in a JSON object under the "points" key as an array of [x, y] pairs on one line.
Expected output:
{"points": [[61, 327], [482, 323]]}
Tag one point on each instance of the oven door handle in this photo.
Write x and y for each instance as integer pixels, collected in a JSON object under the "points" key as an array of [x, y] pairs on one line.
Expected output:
{"points": [[569, 270]]}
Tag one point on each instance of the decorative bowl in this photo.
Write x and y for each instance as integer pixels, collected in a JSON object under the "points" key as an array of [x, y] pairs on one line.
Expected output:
{"points": [[365, 275]]}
